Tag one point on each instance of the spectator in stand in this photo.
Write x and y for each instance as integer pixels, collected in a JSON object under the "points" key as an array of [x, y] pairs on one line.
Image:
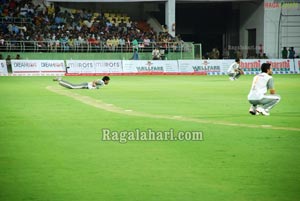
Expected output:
{"points": [[64, 43], [225, 53], [239, 54], [135, 55], [8, 63], [94, 43], [18, 57], [122, 43], [156, 54], [88, 23], [284, 53], [177, 43], [292, 53], [81, 39], [113, 29], [30, 10], [15, 29], [108, 24], [165, 29], [214, 54], [71, 43], [12, 4], [264, 56], [128, 25], [40, 41], [122, 26], [109, 44], [5, 11], [115, 43], [57, 9], [24, 10], [50, 9], [146, 42], [127, 44], [38, 9], [95, 27], [135, 44], [165, 42], [141, 44]]}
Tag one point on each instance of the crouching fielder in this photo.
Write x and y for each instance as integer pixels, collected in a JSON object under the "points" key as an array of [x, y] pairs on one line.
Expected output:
{"points": [[261, 103], [96, 84], [234, 71]]}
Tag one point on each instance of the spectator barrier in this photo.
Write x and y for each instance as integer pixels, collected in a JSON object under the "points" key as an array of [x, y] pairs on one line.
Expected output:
{"points": [[148, 67]]}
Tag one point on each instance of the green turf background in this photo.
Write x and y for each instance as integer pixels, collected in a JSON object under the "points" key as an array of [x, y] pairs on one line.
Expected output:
{"points": [[51, 148]]}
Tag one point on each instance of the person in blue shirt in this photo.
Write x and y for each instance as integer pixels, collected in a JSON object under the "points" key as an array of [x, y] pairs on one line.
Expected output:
{"points": [[291, 53], [135, 55]]}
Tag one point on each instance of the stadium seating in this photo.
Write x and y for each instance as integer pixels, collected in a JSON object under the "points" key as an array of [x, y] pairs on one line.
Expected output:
{"points": [[42, 28]]}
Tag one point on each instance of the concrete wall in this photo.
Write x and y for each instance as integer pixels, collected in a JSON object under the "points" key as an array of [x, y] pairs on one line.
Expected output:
{"points": [[290, 29], [271, 22], [282, 27], [251, 17]]}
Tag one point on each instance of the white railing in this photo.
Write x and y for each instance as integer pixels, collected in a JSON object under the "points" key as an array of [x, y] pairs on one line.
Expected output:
{"points": [[87, 46]]}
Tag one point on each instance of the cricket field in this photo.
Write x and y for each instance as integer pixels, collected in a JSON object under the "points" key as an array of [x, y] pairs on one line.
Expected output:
{"points": [[52, 147]]}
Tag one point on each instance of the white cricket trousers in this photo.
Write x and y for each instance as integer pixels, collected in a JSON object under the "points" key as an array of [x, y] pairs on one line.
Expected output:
{"points": [[267, 102]]}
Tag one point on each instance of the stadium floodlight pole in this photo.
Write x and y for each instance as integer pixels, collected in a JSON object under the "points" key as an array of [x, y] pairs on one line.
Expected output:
{"points": [[279, 34]]}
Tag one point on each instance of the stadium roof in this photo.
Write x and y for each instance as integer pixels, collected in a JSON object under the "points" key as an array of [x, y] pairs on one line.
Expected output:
{"points": [[128, 1], [111, 1]]}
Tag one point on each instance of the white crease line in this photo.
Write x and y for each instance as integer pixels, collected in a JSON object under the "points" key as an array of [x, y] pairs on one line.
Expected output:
{"points": [[101, 105]]}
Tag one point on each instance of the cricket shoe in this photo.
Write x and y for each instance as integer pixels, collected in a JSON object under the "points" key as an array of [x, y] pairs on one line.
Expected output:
{"points": [[262, 111], [252, 110], [57, 79], [231, 78]]}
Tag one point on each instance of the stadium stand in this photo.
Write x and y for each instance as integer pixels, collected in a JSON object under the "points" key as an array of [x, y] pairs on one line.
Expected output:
{"points": [[26, 27]]}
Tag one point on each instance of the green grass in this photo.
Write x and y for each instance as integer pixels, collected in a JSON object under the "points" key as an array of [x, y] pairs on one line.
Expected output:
{"points": [[51, 148]]}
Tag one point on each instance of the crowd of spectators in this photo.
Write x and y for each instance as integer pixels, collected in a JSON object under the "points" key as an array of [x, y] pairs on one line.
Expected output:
{"points": [[233, 54], [52, 27]]}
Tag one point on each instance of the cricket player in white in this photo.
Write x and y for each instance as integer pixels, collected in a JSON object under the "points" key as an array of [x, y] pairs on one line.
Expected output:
{"points": [[96, 84], [261, 103], [234, 71]]}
